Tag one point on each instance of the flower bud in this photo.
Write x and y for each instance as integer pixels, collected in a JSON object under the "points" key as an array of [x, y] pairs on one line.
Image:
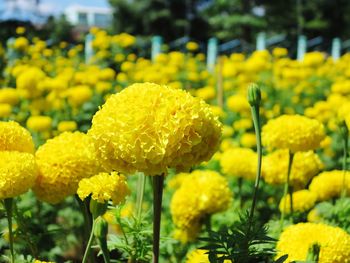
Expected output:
{"points": [[97, 209], [254, 95], [101, 228]]}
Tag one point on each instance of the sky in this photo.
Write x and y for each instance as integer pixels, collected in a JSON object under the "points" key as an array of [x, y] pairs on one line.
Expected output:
{"points": [[58, 6]]}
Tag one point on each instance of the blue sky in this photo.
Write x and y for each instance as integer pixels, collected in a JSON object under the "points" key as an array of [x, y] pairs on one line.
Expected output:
{"points": [[57, 6]]}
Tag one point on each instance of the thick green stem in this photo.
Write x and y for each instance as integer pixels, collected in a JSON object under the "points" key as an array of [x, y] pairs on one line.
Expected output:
{"points": [[140, 192], [158, 182], [88, 246], [256, 121], [8, 206], [104, 249], [287, 189]]}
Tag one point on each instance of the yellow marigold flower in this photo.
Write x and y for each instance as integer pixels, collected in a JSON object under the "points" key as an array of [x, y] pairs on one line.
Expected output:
{"points": [[20, 30], [27, 83], [21, 43], [176, 181], [192, 46], [78, 95], [328, 185], [238, 103], [39, 261], [5, 110], [200, 256], [227, 131], [106, 74], [201, 193], [341, 87], [297, 239], [62, 162], [243, 124], [279, 52], [248, 140], [303, 200], [206, 93], [17, 173], [67, 126], [305, 165], [39, 123], [293, 132], [185, 235], [148, 128], [14, 137], [104, 187], [239, 162], [9, 96]]}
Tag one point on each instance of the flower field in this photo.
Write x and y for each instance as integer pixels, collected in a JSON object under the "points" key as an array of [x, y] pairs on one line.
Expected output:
{"points": [[115, 157]]}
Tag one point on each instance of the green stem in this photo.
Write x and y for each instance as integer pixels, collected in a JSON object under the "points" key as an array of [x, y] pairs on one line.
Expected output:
{"points": [[8, 206], [287, 189], [346, 147], [140, 193], [103, 245], [88, 246], [84, 208], [256, 121], [158, 181], [240, 183]]}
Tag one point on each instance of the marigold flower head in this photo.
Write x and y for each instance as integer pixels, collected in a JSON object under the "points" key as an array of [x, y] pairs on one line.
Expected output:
{"points": [[239, 162], [5, 110], [27, 83], [303, 200], [305, 165], [328, 185], [297, 239], [9, 96], [67, 126], [104, 187], [238, 103], [200, 256], [39, 123], [17, 173], [293, 132], [62, 162], [148, 128], [201, 193], [14, 137]]}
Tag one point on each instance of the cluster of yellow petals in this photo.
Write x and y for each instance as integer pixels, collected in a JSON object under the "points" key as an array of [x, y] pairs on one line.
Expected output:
{"points": [[149, 128], [14, 137], [62, 162], [329, 184], [303, 200], [295, 241], [17, 164], [104, 187], [239, 162], [202, 193], [293, 132], [305, 166]]}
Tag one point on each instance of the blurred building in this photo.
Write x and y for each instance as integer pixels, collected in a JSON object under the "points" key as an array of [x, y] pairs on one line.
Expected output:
{"points": [[23, 11], [86, 16]]}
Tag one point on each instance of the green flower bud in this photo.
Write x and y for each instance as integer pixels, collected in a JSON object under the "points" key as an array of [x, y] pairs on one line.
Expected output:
{"points": [[97, 209], [101, 228], [254, 95]]}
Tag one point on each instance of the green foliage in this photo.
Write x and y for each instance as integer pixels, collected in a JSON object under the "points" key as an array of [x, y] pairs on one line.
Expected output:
{"points": [[336, 214], [244, 242], [135, 241]]}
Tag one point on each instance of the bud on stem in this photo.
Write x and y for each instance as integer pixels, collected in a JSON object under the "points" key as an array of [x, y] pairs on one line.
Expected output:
{"points": [[254, 95]]}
